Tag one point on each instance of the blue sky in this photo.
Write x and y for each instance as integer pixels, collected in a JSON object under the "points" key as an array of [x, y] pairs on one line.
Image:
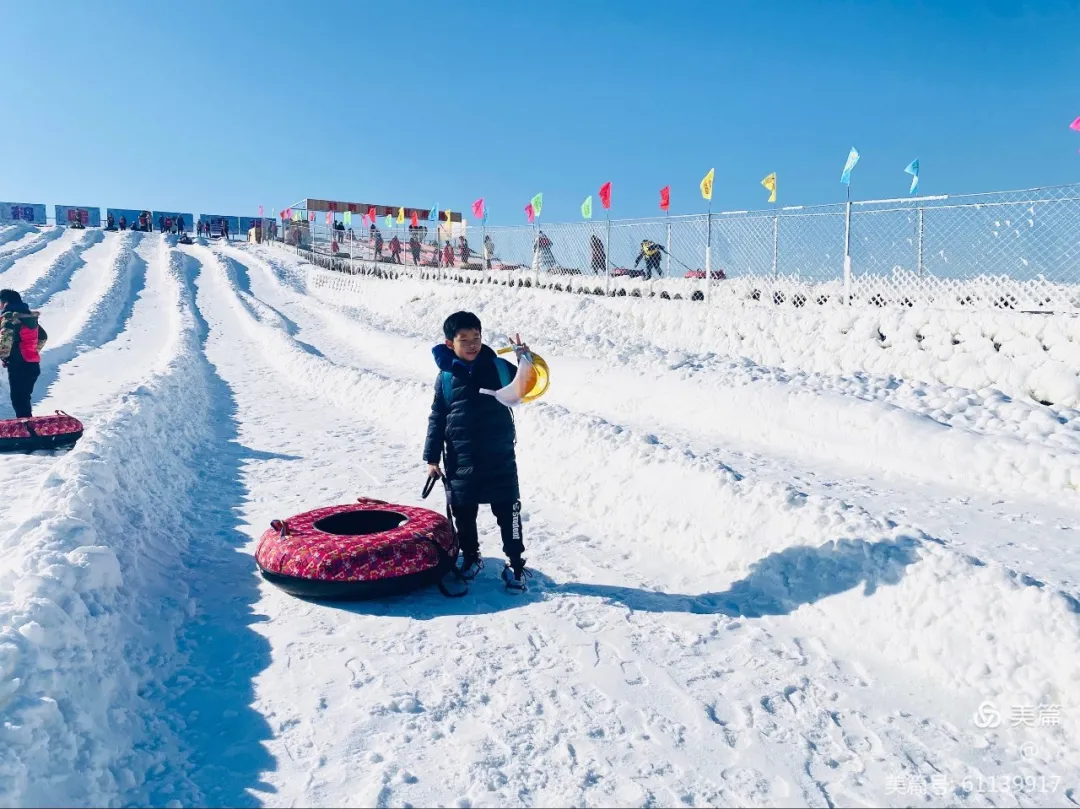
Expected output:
{"points": [[225, 106]]}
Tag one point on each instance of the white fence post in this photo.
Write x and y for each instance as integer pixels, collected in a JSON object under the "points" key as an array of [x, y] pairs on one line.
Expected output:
{"points": [[847, 254]]}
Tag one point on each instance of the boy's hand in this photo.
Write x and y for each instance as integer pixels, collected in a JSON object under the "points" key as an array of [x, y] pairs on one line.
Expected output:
{"points": [[519, 347], [433, 470]]}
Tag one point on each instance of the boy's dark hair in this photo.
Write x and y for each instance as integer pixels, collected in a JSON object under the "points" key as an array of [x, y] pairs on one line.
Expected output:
{"points": [[10, 296], [459, 321]]}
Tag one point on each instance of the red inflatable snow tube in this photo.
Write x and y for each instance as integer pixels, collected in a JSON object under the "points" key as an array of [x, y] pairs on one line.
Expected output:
{"points": [[370, 549], [39, 432]]}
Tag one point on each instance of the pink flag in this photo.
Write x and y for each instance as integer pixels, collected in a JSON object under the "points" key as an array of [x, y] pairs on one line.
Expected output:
{"points": [[478, 209], [260, 211], [329, 218], [311, 216], [529, 212], [1075, 125]]}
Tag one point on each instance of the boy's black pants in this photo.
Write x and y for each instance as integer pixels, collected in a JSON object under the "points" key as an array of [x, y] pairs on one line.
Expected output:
{"points": [[21, 379], [508, 515]]}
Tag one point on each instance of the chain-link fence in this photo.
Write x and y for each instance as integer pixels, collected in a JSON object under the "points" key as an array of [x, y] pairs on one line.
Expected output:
{"points": [[1013, 250]]}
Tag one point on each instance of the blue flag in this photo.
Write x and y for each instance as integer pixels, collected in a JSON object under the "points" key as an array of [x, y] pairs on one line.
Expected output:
{"points": [[433, 214], [852, 159], [913, 170]]}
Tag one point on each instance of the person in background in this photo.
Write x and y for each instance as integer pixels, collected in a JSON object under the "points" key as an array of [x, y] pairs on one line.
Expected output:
{"points": [[225, 229], [21, 340], [651, 252], [414, 248], [463, 250], [448, 255], [395, 250], [123, 222], [161, 223], [598, 258], [110, 222], [489, 250]]}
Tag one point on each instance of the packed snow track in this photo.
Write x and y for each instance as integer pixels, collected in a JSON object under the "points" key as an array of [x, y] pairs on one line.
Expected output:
{"points": [[763, 576]]}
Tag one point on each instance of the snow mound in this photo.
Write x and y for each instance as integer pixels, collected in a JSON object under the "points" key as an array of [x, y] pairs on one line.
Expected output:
{"points": [[91, 603]]}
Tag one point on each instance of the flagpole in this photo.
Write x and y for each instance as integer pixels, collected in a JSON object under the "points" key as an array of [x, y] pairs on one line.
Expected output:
{"points": [[708, 250], [775, 239], [607, 254]]}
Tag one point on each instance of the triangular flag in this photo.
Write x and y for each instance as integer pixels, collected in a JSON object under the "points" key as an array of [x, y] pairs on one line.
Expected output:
{"points": [[348, 217], [852, 159], [770, 183], [296, 216], [586, 207], [665, 198], [389, 221], [260, 211], [605, 195], [537, 203], [530, 213], [478, 209], [485, 215], [1075, 125], [433, 213], [913, 170], [329, 218], [415, 220], [706, 185], [401, 215], [371, 213]]}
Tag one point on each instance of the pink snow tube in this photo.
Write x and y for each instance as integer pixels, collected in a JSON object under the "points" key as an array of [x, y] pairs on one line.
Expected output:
{"points": [[39, 432], [370, 549]]}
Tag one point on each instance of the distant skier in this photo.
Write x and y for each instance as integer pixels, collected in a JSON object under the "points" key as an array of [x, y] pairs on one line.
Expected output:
{"points": [[21, 341], [478, 433], [414, 248]]}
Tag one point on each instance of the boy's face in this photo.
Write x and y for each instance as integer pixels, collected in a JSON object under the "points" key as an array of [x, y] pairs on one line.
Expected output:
{"points": [[466, 344]]}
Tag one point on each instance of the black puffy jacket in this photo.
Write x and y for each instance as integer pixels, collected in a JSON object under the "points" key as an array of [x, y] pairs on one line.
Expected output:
{"points": [[477, 430]]}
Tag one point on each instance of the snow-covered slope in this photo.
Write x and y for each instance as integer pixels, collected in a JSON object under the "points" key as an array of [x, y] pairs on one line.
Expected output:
{"points": [[768, 569]]}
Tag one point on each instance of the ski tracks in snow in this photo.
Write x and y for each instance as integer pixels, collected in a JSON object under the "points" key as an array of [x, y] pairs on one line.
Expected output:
{"points": [[834, 734]]}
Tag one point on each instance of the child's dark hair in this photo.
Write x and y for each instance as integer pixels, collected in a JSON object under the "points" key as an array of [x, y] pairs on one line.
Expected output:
{"points": [[11, 296], [459, 321]]}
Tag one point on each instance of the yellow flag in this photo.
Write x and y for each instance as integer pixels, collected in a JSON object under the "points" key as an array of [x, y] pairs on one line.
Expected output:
{"points": [[706, 185], [400, 215], [770, 183]]}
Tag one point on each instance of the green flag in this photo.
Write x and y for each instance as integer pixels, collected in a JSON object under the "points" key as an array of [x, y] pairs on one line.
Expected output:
{"points": [[389, 221], [348, 217], [586, 207], [537, 203]]}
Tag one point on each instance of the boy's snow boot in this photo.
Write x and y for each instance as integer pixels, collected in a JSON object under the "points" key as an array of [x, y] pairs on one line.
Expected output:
{"points": [[470, 566], [514, 576]]}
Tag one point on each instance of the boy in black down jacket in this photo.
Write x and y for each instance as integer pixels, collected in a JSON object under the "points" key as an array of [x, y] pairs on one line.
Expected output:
{"points": [[478, 433]]}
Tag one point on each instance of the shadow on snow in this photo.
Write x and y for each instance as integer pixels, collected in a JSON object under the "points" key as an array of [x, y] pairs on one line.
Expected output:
{"points": [[778, 584]]}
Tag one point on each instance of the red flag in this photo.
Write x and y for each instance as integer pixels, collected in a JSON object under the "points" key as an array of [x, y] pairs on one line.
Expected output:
{"points": [[478, 209], [415, 220], [311, 216], [605, 195], [665, 198], [529, 212], [371, 214]]}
